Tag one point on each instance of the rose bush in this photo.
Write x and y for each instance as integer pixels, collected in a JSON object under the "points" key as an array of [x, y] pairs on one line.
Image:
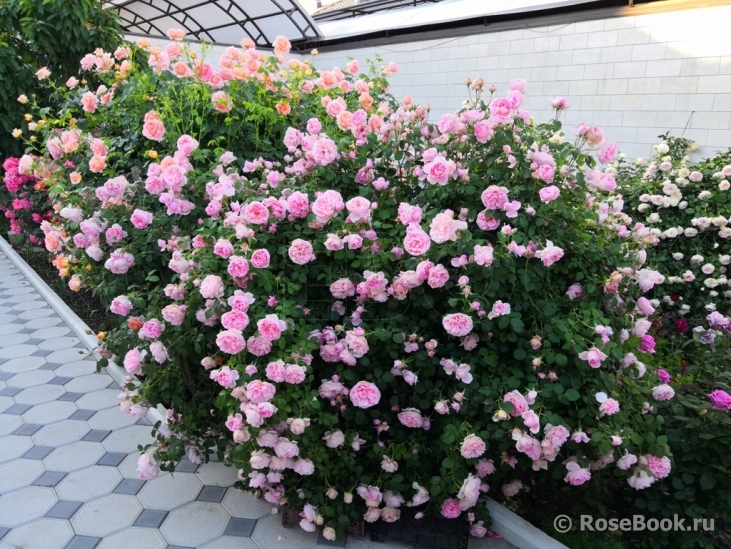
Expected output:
{"points": [[25, 204], [393, 313], [687, 207]]}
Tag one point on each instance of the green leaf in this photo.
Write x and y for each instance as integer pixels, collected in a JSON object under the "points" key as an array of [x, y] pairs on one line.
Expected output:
{"points": [[572, 395]]}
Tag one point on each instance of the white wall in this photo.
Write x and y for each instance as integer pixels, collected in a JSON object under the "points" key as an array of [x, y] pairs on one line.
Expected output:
{"points": [[636, 76]]}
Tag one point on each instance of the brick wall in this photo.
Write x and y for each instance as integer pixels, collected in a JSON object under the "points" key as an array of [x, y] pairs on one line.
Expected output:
{"points": [[636, 76]]}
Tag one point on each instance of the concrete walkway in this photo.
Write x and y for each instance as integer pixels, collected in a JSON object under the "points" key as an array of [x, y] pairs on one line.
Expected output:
{"points": [[68, 456]]}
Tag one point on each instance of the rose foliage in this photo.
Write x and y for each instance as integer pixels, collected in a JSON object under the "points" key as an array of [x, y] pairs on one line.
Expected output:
{"points": [[382, 312]]}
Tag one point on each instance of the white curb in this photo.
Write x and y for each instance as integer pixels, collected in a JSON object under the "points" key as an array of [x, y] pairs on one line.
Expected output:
{"points": [[72, 320]]}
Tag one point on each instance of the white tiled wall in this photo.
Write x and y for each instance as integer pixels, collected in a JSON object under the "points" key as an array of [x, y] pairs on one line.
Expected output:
{"points": [[636, 77]]}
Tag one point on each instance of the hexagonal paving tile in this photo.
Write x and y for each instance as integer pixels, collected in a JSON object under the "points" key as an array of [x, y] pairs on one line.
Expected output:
{"points": [[134, 537], [25, 364], [20, 472], [14, 446], [37, 395], [47, 333], [195, 524], [67, 355], [88, 483], [74, 456], [105, 515], [170, 491], [217, 474], [46, 533], [43, 323], [27, 504], [49, 412], [28, 295], [8, 319], [61, 433], [5, 403], [8, 424], [35, 314], [7, 329], [98, 400], [29, 305], [30, 379], [14, 338], [78, 368], [88, 383], [127, 439], [111, 419], [243, 505], [16, 351], [58, 343]]}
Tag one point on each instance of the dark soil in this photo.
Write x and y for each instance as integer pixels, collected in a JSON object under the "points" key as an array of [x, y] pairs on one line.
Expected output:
{"points": [[83, 303]]}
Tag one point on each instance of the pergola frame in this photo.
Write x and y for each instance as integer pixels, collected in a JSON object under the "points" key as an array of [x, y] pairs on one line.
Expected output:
{"points": [[295, 18]]}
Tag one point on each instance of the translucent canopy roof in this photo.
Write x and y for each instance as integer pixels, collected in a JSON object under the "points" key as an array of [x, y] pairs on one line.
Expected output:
{"points": [[432, 13], [218, 21]]}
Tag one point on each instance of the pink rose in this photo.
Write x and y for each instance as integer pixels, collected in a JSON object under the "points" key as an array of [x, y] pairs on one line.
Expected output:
{"points": [[174, 314], [258, 346], [225, 377], [342, 288], [152, 329], [576, 474], [271, 327], [133, 360], [300, 252], [260, 259], [593, 356], [663, 392], [721, 400], [141, 219], [520, 405], [238, 267], [457, 324], [659, 467], [364, 394], [494, 197], [550, 254], [260, 391], [235, 320], [223, 248], [549, 194], [416, 242], [211, 287], [472, 447], [121, 305], [609, 407], [230, 341], [153, 129], [438, 276], [411, 417], [450, 509]]}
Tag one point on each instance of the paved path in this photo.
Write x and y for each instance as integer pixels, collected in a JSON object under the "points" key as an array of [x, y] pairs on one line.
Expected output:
{"points": [[68, 457]]}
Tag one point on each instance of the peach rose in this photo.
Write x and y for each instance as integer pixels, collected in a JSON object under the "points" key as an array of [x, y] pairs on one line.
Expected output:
{"points": [[97, 164]]}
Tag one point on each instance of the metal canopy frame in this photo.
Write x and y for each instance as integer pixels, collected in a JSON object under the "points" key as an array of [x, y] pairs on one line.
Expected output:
{"points": [[262, 23], [365, 7]]}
